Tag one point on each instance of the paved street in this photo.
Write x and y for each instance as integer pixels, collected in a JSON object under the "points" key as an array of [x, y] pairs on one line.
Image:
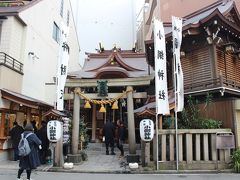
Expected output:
{"points": [[102, 167], [11, 175]]}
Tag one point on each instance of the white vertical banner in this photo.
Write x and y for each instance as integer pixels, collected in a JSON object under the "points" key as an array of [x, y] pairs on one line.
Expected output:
{"points": [[160, 69], [177, 41], [62, 66]]}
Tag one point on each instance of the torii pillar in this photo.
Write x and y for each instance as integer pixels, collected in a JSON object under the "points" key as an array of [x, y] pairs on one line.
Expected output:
{"points": [[131, 122], [75, 124]]}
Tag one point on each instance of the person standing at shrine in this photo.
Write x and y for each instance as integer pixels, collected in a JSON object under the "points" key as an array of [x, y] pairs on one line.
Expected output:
{"points": [[120, 136], [15, 134], [108, 132], [42, 135]]}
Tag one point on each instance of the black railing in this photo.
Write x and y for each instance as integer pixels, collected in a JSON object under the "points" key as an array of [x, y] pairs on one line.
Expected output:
{"points": [[10, 62]]}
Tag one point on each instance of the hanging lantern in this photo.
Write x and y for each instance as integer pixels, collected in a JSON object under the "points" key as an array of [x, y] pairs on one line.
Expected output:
{"points": [[87, 105], [115, 105], [102, 109]]}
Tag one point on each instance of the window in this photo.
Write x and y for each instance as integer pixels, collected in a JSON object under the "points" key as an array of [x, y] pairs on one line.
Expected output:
{"points": [[0, 29], [61, 8], [56, 32], [68, 16]]}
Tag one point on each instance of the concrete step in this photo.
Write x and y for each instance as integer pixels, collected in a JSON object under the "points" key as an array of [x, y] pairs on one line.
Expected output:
{"points": [[101, 146]]}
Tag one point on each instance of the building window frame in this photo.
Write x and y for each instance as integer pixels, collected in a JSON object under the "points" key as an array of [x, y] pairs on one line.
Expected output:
{"points": [[68, 17], [56, 32], [61, 8]]}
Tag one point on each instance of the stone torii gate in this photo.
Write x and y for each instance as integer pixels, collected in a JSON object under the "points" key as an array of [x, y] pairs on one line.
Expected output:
{"points": [[129, 84]]}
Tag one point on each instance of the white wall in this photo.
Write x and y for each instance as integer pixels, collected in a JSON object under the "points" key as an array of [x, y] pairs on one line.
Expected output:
{"points": [[108, 21], [41, 70]]}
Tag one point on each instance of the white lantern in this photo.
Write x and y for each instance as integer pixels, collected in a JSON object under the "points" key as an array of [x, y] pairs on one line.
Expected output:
{"points": [[54, 130], [146, 129]]}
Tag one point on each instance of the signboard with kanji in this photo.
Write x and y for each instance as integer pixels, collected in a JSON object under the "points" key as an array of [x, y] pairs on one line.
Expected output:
{"points": [[146, 129], [54, 130]]}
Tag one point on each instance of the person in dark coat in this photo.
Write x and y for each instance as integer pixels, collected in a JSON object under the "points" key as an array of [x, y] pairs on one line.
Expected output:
{"points": [[120, 136], [15, 134], [42, 135], [34, 126], [108, 132], [31, 161]]}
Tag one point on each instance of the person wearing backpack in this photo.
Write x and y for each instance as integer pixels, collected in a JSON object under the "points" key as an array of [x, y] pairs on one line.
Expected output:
{"points": [[31, 160]]}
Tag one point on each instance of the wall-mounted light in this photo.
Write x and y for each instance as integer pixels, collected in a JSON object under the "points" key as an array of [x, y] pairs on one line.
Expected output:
{"points": [[32, 55]]}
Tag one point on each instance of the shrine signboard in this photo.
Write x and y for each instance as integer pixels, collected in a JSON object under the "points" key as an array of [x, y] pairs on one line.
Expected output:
{"points": [[225, 141]]}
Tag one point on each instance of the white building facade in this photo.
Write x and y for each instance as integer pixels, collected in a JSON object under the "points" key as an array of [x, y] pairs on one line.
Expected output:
{"points": [[29, 54]]}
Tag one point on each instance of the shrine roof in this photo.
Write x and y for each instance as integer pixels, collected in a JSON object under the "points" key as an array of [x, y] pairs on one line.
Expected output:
{"points": [[218, 9], [199, 17], [23, 99], [122, 63]]}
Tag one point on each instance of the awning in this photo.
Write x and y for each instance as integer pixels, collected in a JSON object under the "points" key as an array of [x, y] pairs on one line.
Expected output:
{"points": [[54, 112], [23, 99]]}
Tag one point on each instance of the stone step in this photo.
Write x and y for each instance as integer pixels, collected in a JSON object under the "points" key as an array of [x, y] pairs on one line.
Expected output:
{"points": [[101, 146]]}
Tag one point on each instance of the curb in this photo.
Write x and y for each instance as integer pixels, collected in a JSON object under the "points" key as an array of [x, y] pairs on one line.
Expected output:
{"points": [[57, 169]]}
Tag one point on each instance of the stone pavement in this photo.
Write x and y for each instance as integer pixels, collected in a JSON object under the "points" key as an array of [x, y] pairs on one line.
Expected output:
{"points": [[97, 162]]}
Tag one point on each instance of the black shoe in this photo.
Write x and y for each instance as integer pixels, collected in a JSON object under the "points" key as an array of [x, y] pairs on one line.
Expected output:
{"points": [[107, 153], [113, 153]]}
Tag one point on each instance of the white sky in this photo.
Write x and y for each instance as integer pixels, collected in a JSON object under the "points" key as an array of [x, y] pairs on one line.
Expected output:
{"points": [[85, 45]]}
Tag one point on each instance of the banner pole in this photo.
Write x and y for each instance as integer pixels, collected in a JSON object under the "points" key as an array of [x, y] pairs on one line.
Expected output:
{"points": [[175, 109], [157, 138]]}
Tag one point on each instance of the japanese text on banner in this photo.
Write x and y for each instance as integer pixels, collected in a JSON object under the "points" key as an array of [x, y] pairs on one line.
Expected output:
{"points": [[160, 69], [177, 41]]}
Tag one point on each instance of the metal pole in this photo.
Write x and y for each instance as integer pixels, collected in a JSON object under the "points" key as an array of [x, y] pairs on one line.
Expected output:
{"points": [[176, 125], [157, 138], [176, 120]]}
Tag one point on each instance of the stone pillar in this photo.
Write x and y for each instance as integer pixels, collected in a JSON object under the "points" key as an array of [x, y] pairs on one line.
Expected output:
{"points": [[131, 123], [75, 124], [94, 123], [59, 151]]}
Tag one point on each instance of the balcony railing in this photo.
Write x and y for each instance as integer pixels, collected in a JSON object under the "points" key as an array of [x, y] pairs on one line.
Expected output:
{"points": [[212, 84], [11, 63]]}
